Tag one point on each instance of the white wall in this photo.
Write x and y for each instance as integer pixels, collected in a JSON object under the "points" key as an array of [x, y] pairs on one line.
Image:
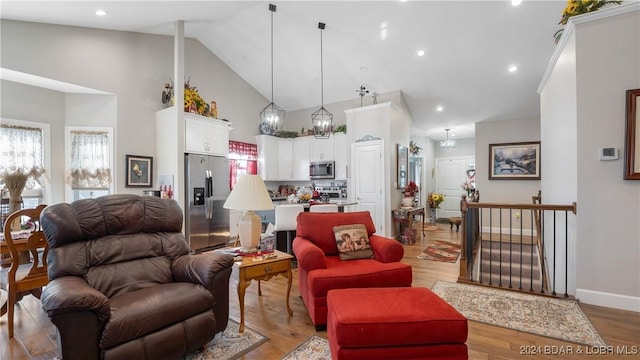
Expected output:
{"points": [[296, 120], [608, 235], [133, 67], [506, 131], [583, 109], [24, 102]]}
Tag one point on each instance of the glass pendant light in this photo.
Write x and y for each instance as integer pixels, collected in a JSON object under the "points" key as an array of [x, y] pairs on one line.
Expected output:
{"points": [[322, 120], [447, 144], [272, 116]]}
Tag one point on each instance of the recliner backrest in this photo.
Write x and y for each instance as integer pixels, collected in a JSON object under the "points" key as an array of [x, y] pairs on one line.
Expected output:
{"points": [[117, 243]]}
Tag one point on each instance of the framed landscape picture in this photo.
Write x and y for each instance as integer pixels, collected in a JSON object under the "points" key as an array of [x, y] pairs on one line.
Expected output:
{"points": [[139, 171], [514, 161]]}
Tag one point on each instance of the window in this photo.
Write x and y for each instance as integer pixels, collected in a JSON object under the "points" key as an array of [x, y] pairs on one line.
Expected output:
{"points": [[88, 162], [242, 160], [22, 148]]}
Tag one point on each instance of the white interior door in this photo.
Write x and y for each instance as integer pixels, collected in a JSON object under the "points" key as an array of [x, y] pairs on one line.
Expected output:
{"points": [[367, 177], [451, 174]]}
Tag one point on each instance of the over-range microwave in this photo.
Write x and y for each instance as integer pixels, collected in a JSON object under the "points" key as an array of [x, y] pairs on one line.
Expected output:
{"points": [[322, 170]]}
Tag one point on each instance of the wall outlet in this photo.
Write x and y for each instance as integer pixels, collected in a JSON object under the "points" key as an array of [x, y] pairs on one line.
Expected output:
{"points": [[517, 216]]}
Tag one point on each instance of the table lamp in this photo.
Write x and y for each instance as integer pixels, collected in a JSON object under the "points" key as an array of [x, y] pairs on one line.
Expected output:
{"points": [[249, 194]]}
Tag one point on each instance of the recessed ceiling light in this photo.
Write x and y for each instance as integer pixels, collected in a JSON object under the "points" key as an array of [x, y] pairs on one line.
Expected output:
{"points": [[439, 108], [101, 12], [516, 2], [420, 53], [513, 68]]}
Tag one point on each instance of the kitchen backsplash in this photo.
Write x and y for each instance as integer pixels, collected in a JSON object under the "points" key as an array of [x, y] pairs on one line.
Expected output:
{"points": [[274, 186]]}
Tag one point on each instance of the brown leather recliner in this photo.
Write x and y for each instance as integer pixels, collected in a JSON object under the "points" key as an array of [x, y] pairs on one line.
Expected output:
{"points": [[123, 284]]}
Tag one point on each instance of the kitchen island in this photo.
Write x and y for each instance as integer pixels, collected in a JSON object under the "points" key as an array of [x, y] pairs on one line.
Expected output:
{"points": [[342, 203], [268, 216]]}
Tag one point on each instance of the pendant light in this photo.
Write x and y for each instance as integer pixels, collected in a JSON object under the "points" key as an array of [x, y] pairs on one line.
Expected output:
{"points": [[272, 116], [321, 120], [447, 144]]}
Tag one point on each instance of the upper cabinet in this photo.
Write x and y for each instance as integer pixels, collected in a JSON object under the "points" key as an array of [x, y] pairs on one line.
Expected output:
{"points": [[322, 149], [288, 159], [268, 157], [341, 149], [206, 136], [301, 149]]}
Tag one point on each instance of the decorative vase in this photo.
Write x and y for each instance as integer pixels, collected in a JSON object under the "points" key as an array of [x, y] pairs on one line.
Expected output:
{"points": [[15, 204], [407, 201], [432, 215]]}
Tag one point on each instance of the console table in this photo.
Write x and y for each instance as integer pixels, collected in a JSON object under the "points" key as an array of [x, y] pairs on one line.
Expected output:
{"points": [[405, 215]]}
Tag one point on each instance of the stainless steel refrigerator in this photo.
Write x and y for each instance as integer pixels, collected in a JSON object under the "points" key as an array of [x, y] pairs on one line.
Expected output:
{"points": [[207, 188]]}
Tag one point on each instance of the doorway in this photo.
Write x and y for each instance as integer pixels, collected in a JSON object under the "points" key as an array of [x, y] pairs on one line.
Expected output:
{"points": [[452, 173], [367, 180]]}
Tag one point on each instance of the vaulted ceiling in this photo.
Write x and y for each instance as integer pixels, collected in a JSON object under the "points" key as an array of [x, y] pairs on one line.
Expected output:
{"points": [[468, 47]]}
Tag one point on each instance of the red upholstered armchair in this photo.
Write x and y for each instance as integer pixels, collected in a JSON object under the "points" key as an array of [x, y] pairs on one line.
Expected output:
{"points": [[320, 268]]}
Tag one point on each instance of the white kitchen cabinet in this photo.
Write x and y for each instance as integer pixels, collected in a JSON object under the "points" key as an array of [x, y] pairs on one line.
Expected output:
{"points": [[341, 149], [268, 157], [285, 159], [206, 136], [300, 169], [322, 149]]}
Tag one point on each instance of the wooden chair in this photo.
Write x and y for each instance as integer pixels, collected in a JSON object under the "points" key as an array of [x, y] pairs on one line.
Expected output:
{"points": [[24, 277]]}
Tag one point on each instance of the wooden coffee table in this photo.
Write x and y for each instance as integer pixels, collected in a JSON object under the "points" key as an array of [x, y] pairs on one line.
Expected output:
{"points": [[249, 269]]}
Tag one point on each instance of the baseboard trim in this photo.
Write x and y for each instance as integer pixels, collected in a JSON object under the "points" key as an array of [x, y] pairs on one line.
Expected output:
{"points": [[616, 301]]}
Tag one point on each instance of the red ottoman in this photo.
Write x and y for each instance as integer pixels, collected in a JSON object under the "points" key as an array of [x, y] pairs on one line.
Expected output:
{"points": [[394, 323]]}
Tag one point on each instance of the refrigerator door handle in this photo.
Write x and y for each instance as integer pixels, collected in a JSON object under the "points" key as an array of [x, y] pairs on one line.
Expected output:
{"points": [[208, 208]]}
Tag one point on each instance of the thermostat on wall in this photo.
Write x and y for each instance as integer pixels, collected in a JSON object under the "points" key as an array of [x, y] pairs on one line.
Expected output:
{"points": [[608, 153]]}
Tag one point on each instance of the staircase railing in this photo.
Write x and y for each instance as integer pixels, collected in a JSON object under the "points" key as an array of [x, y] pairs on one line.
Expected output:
{"points": [[522, 247]]}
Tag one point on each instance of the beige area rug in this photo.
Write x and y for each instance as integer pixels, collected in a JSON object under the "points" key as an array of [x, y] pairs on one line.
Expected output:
{"points": [[230, 344], [555, 318], [314, 348]]}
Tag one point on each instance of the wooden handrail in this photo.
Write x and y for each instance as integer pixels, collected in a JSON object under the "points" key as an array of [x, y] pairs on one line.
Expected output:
{"points": [[485, 205], [536, 208]]}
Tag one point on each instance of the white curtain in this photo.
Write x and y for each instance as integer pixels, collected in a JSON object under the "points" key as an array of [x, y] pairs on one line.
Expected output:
{"points": [[89, 160], [20, 147], [21, 158]]}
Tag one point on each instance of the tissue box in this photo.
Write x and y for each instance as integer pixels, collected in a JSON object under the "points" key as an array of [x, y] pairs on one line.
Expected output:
{"points": [[267, 242]]}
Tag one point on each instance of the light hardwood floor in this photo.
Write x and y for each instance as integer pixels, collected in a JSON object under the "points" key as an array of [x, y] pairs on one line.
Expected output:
{"points": [[35, 335]]}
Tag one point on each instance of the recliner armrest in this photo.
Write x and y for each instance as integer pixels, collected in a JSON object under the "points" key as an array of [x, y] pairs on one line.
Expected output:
{"points": [[69, 294], [308, 254], [386, 250], [201, 268]]}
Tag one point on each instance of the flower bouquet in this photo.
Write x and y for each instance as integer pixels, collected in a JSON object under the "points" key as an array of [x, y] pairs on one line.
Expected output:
{"points": [[411, 189], [435, 200], [469, 187], [578, 7]]}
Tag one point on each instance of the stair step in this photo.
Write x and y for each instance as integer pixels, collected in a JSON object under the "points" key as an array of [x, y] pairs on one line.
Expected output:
{"points": [[505, 256], [495, 268], [516, 283]]}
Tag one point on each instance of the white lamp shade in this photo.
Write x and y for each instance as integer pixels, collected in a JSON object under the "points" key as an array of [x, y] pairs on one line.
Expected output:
{"points": [[249, 193]]}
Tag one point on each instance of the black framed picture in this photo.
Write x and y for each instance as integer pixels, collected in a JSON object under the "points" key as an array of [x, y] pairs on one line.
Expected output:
{"points": [[514, 161], [139, 171], [403, 166]]}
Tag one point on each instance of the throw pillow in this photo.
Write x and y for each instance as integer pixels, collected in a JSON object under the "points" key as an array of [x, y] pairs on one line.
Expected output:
{"points": [[352, 242]]}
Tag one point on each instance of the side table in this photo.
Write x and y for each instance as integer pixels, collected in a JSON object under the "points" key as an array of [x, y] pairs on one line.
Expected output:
{"points": [[406, 214], [249, 269]]}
